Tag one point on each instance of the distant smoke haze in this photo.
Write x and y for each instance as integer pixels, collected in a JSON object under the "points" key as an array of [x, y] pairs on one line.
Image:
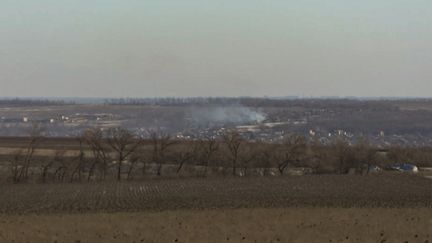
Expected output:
{"points": [[229, 114]]}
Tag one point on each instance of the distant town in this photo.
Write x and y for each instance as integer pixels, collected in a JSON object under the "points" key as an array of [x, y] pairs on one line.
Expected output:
{"points": [[381, 122]]}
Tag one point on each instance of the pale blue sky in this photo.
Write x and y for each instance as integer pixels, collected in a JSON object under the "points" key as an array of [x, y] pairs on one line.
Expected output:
{"points": [[140, 48]]}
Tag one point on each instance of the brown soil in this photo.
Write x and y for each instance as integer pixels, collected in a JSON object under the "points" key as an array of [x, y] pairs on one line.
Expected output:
{"points": [[233, 225], [381, 208], [208, 193]]}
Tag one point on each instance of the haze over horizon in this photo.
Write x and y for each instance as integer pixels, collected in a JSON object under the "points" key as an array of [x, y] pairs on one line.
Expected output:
{"points": [[132, 48]]}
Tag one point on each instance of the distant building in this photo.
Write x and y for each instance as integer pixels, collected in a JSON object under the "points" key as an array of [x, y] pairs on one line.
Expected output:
{"points": [[312, 133]]}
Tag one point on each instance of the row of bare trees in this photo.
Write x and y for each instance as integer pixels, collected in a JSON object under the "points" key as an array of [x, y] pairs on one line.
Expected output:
{"points": [[118, 154]]}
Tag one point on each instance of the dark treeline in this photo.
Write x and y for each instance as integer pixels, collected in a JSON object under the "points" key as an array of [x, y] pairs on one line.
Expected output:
{"points": [[117, 154], [255, 102], [315, 103], [195, 101], [32, 102]]}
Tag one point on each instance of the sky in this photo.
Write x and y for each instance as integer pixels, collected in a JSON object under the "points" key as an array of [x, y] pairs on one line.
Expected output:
{"points": [[151, 48]]}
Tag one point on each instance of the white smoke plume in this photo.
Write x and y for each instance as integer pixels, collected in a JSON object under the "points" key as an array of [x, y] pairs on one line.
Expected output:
{"points": [[229, 114]]}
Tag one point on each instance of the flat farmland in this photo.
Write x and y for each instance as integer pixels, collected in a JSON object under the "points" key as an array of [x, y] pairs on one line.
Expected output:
{"points": [[381, 208], [308, 225], [212, 193]]}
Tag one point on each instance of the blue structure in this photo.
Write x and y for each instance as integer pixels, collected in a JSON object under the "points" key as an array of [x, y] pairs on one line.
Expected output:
{"points": [[403, 167]]}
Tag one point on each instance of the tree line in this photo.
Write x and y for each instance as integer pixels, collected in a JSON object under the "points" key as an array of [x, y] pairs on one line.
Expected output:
{"points": [[118, 154], [17, 102]]}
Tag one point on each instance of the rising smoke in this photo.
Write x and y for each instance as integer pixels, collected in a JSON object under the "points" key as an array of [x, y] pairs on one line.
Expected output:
{"points": [[230, 114]]}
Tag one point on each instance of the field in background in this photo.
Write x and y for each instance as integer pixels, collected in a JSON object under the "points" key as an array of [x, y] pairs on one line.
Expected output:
{"points": [[395, 122]]}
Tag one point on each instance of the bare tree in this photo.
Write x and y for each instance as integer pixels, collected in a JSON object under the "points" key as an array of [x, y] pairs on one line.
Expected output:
{"points": [[318, 154], [247, 157], [22, 160], [134, 158], [45, 167], [17, 167], [206, 150], [364, 154], [62, 166], [95, 140], [185, 155], [233, 141], [80, 161], [266, 156], [294, 150], [160, 142], [343, 153], [35, 138], [124, 143]]}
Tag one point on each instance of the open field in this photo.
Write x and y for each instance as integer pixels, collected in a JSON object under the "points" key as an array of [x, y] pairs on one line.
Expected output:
{"points": [[210, 193], [388, 207], [330, 208], [225, 225]]}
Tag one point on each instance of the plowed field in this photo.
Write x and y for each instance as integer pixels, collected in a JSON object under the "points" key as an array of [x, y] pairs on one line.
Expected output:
{"points": [[212, 193]]}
